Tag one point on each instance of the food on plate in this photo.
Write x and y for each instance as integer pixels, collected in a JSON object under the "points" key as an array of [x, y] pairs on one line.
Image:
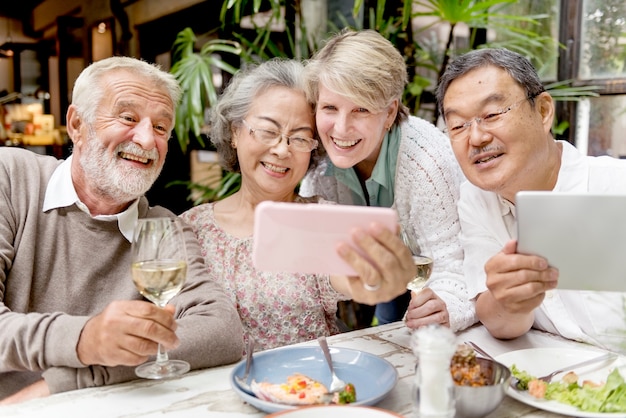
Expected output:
{"points": [[301, 390], [590, 396], [570, 377], [522, 377], [537, 388], [347, 395], [464, 368], [298, 390]]}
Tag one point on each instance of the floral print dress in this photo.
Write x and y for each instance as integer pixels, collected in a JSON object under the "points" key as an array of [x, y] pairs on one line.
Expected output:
{"points": [[275, 308]]}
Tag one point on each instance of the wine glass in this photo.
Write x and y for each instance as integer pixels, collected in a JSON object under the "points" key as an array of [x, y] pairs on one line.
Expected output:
{"points": [[422, 257], [159, 270]]}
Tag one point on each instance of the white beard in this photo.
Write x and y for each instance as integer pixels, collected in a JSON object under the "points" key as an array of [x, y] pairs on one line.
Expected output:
{"points": [[111, 177]]}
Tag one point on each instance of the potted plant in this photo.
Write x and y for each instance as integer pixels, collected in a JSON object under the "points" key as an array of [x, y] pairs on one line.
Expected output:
{"points": [[518, 30]]}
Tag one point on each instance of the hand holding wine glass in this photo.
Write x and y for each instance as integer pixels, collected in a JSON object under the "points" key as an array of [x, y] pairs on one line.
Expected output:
{"points": [[159, 270], [422, 257]]}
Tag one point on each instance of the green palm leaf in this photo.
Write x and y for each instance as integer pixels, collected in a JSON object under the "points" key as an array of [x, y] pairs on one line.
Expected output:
{"points": [[194, 72]]}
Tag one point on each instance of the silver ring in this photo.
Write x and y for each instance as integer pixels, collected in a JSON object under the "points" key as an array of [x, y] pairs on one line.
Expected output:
{"points": [[370, 287]]}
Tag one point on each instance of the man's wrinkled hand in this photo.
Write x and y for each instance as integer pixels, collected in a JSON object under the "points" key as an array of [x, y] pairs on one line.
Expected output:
{"points": [[518, 282], [127, 333]]}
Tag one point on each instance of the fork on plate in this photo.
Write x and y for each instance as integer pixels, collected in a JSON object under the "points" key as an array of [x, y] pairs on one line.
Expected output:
{"points": [[336, 384], [548, 378], [599, 359], [242, 381]]}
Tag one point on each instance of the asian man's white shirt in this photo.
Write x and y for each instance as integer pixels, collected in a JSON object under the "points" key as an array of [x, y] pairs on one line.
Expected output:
{"points": [[488, 221]]}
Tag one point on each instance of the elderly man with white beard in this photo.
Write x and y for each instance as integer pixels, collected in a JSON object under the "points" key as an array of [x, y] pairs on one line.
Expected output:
{"points": [[70, 315]]}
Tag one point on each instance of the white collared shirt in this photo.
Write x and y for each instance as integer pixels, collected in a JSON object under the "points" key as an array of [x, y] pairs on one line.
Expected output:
{"points": [[60, 193], [488, 221]]}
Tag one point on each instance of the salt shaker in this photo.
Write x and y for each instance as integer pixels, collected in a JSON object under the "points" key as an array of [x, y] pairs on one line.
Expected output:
{"points": [[433, 391]]}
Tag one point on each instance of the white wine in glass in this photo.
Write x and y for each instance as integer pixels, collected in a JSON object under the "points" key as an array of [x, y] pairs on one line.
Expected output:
{"points": [[422, 258], [159, 270]]}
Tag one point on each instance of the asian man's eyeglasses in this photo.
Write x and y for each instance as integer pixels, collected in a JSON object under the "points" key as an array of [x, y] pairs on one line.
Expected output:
{"points": [[459, 130]]}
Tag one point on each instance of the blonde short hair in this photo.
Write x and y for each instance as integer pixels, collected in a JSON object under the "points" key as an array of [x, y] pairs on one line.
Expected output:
{"points": [[362, 66]]}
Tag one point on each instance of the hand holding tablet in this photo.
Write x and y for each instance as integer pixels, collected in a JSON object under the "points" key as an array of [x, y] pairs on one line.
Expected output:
{"points": [[302, 237]]}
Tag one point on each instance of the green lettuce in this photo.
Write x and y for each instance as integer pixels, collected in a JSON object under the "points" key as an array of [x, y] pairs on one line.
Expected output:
{"points": [[610, 397], [522, 377]]}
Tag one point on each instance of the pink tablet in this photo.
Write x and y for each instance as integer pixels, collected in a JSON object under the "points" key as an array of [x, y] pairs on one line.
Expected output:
{"points": [[302, 238]]}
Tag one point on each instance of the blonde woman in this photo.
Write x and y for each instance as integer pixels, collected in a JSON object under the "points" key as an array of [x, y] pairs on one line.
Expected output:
{"points": [[378, 155]]}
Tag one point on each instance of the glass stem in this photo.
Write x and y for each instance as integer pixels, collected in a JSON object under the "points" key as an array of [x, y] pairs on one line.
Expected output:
{"points": [[161, 358]]}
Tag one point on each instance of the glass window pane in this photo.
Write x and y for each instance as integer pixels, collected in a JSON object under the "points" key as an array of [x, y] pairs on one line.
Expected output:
{"points": [[603, 46], [544, 55], [607, 124]]}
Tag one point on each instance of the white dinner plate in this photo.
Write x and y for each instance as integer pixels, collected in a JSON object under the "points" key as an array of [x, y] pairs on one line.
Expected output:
{"points": [[372, 376], [335, 411], [541, 361]]}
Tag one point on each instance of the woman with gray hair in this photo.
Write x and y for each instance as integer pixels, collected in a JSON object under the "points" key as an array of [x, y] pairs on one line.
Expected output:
{"points": [[378, 155], [263, 127]]}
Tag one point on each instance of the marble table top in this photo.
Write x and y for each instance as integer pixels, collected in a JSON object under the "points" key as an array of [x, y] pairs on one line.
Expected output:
{"points": [[208, 393]]}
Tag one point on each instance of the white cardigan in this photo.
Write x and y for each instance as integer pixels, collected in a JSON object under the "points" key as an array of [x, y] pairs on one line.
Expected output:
{"points": [[426, 192]]}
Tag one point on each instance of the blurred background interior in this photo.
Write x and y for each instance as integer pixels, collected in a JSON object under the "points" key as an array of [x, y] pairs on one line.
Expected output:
{"points": [[45, 44]]}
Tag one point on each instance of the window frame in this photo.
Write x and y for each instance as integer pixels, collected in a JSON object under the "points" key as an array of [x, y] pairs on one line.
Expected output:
{"points": [[570, 35]]}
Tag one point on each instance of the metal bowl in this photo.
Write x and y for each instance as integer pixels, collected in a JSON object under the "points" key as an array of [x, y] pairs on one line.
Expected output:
{"points": [[479, 401]]}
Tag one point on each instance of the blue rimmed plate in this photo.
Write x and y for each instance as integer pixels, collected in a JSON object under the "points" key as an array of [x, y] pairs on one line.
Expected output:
{"points": [[372, 376]]}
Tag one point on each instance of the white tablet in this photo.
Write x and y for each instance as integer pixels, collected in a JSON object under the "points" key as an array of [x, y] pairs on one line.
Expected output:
{"points": [[581, 234], [303, 237]]}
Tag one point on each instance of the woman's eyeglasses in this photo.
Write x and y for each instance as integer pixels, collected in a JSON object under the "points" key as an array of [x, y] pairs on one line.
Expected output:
{"points": [[460, 131], [273, 138]]}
